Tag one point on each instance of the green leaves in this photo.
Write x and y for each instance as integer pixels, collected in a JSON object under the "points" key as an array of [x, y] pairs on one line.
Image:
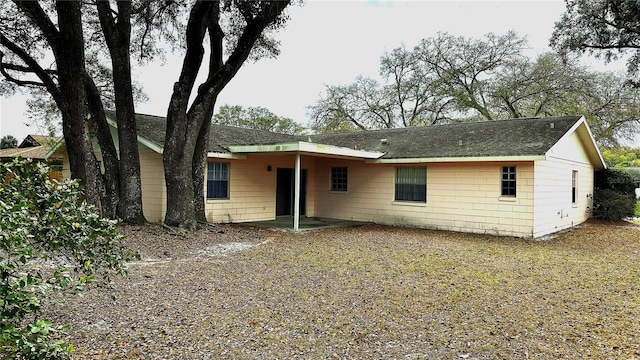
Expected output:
{"points": [[255, 118], [46, 228]]}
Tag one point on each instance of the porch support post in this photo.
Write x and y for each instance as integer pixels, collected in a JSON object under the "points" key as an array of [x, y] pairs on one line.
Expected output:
{"points": [[296, 195]]}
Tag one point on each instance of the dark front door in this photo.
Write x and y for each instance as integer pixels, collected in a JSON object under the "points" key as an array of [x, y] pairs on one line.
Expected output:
{"points": [[285, 191]]}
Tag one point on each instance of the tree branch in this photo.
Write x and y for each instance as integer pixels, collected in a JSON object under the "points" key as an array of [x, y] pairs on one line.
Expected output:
{"points": [[32, 64], [40, 19], [254, 28]]}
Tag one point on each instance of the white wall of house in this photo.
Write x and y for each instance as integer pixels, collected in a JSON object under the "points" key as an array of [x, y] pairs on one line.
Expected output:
{"points": [[460, 197], [554, 208]]}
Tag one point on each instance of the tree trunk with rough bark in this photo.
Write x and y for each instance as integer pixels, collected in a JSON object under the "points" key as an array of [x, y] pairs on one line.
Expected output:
{"points": [[187, 133], [118, 39], [70, 62], [107, 149]]}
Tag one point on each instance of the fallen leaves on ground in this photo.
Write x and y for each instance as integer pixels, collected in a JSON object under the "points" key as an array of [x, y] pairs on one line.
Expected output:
{"points": [[371, 292]]}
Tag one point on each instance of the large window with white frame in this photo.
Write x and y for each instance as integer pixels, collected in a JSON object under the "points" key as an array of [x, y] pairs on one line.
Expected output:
{"points": [[217, 180], [411, 184]]}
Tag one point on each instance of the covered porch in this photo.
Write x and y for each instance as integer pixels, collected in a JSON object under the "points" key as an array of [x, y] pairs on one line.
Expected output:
{"points": [[305, 223], [291, 209]]}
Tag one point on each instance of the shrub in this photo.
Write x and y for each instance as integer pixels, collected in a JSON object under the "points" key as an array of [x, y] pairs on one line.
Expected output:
{"points": [[51, 242], [614, 195]]}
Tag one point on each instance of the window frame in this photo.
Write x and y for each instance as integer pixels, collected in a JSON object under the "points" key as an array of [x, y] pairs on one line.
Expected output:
{"points": [[509, 185], [339, 181], [211, 190], [574, 187], [409, 192]]}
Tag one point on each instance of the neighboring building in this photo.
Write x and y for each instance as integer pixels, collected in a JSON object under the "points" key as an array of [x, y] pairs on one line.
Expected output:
{"points": [[37, 147], [521, 177]]}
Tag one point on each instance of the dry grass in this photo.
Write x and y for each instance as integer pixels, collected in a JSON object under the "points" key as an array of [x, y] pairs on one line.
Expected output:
{"points": [[367, 293]]}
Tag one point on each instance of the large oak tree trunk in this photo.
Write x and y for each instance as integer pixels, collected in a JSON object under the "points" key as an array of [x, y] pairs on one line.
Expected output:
{"points": [[107, 149], [198, 167], [177, 159], [118, 39], [187, 133], [70, 64]]}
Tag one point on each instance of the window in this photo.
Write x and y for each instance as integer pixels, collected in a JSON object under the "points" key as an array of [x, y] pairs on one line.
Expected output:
{"points": [[411, 184], [217, 180], [574, 187], [509, 181], [338, 179]]}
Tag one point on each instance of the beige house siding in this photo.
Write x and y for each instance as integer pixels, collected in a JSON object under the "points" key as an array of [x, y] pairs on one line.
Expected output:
{"points": [[460, 197], [554, 208], [252, 189], [154, 200]]}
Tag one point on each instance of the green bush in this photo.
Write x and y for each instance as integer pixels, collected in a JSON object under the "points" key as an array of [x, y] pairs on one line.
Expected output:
{"points": [[614, 195], [51, 242]]}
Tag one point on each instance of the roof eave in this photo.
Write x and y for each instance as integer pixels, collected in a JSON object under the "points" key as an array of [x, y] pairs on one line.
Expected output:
{"points": [[219, 155], [458, 159], [308, 148], [141, 139], [588, 140]]}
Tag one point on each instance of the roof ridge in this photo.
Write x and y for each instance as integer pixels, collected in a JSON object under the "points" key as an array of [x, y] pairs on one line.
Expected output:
{"points": [[455, 124]]}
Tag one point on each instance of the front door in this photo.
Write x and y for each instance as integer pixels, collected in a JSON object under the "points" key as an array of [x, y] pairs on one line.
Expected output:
{"points": [[285, 191]]}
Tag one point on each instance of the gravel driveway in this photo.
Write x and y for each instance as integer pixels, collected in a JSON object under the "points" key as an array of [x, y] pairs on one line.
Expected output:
{"points": [[371, 292]]}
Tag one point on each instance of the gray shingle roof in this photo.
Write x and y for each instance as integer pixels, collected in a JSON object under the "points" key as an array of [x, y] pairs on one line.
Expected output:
{"points": [[514, 137], [153, 128]]}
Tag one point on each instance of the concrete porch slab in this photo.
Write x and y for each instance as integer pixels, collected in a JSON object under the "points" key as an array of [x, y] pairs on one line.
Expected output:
{"points": [[285, 223]]}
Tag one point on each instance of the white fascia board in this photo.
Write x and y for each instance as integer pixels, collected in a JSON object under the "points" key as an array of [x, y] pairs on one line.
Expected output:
{"points": [[306, 147], [142, 140], [591, 140], [218, 155], [55, 148], [459, 159]]}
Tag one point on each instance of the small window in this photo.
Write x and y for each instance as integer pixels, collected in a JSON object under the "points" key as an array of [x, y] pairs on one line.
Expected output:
{"points": [[217, 180], [508, 181], [338, 179], [411, 184], [574, 187]]}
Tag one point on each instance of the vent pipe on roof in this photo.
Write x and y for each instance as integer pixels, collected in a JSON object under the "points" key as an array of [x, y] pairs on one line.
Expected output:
{"points": [[552, 125], [460, 142]]}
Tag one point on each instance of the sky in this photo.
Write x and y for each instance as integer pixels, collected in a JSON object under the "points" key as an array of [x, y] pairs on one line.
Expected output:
{"points": [[333, 42]]}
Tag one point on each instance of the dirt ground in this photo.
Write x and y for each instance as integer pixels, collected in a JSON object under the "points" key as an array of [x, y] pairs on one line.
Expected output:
{"points": [[370, 292]]}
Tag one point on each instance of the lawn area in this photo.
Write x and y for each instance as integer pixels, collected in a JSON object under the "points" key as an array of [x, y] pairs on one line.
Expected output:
{"points": [[370, 292]]}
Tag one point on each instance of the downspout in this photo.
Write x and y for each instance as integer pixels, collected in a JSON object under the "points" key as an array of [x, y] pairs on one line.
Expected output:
{"points": [[296, 196]]}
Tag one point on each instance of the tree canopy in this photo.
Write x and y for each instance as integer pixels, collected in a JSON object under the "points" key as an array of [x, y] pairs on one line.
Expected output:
{"points": [[8, 142], [77, 36], [447, 78], [255, 118], [622, 157], [603, 28]]}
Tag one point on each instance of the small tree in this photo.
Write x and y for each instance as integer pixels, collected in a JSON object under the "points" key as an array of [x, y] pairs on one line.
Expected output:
{"points": [[614, 195], [51, 242], [8, 142]]}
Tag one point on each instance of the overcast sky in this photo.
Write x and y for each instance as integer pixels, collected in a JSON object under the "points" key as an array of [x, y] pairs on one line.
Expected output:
{"points": [[332, 42]]}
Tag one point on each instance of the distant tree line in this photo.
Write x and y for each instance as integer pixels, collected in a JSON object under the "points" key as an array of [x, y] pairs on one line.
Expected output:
{"points": [[447, 78], [621, 157], [256, 118]]}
